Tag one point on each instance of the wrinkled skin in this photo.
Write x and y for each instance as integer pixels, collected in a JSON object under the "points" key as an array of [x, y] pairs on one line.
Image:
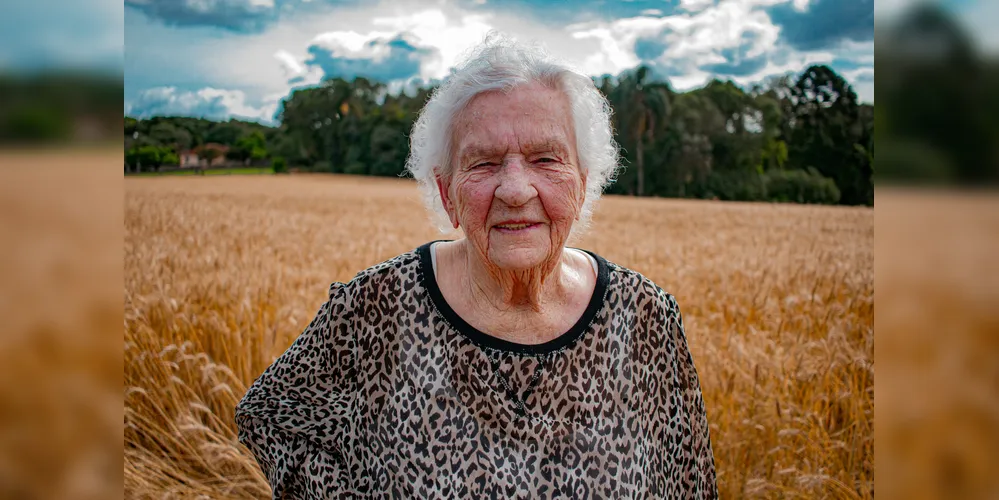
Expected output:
{"points": [[515, 160]]}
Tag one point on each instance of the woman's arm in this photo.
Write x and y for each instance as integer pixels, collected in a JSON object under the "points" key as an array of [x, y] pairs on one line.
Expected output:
{"points": [[292, 414], [702, 474]]}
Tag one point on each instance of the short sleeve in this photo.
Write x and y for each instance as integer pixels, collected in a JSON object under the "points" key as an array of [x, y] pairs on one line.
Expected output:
{"points": [[294, 416], [702, 474]]}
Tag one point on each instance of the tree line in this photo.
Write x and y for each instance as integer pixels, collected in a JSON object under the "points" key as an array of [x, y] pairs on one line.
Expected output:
{"points": [[801, 138], [938, 94], [60, 105]]}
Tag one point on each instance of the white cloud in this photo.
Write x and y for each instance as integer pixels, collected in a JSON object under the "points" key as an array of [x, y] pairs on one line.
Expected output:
{"points": [[291, 65], [689, 40], [451, 33], [235, 61], [864, 90], [859, 51], [857, 74], [795, 63], [296, 73], [351, 43], [721, 27], [207, 102], [613, 56], [448, 29], [695, 5], [800, 5]]}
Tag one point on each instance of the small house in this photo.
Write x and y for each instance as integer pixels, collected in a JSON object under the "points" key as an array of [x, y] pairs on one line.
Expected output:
{"points": [[197, 157]]}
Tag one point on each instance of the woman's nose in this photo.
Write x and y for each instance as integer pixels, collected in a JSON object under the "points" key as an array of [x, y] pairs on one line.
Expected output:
{"points": [[515, 186]]}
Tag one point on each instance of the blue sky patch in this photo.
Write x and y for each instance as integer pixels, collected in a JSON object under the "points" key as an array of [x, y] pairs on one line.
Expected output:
{"points": [[649, 49], [568, 11], [825, 23], [737, 66], [402, 62]]}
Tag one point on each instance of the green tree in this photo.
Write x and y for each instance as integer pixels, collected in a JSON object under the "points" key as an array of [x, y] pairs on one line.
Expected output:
{"points": [[388, 150], [312, 115], [688, 147], [38, 122], [279, 165], [131, 125], [287, 145], [769, 117], [826, 127], [642, 110], [773, 155], [250, 147], [226, 133], [145, 158], [169, 157], [736, 146], [168, 134], [333, 122], [938, 103]]}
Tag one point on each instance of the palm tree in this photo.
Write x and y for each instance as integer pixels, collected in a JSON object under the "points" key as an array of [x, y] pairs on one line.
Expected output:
{"points": [[641, 108]]}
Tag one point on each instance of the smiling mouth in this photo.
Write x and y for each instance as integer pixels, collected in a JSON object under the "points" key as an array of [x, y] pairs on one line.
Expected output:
{"points": [[510, 228]]}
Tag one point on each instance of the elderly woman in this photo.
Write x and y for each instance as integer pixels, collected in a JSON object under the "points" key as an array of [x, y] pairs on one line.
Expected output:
{"points": [[503, 364]]}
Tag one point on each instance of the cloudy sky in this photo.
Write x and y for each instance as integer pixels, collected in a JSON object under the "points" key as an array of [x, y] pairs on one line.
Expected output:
{"points": [[239, 58]]}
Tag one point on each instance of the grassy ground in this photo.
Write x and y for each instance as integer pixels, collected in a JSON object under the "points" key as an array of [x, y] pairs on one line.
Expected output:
{"points": [[217, 171]]}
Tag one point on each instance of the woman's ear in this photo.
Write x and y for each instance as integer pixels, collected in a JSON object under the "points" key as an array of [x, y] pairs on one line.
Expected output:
{"points": [[445, 195]]}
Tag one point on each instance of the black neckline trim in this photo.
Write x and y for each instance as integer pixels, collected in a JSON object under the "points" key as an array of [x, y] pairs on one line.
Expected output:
{"points": [[485, 340]]}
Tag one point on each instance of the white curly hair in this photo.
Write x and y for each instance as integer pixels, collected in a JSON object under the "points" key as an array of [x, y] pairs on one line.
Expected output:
{"points": [[501, 63]]}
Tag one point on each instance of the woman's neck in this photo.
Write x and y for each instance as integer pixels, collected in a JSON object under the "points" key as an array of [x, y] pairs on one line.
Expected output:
{"points": [[532, 289]]}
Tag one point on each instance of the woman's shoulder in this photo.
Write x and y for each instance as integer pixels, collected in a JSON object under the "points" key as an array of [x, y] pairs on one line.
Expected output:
{"points": [[397, 274], [634, 287]]}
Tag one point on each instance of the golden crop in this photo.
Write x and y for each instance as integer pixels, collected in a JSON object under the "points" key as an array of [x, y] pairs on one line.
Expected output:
{"points": [[221, 274]]}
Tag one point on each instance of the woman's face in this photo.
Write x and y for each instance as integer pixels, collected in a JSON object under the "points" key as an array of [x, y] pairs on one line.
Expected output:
{"points": [[516, 187]]}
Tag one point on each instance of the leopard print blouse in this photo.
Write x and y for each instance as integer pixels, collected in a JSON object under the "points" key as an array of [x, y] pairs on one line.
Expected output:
{"points": [[389, 393]]}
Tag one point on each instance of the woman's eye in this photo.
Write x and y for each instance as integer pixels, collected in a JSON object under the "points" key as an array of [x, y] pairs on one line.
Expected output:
{"points": [[484, 164], [545, 159]]}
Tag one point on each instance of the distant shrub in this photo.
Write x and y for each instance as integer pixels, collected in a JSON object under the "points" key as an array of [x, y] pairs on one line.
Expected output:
{"points": [[735, 186], [280, 165], [800, 186], [356, 168], [912, 162], [34, 123], [169, 157], [797, 186]]}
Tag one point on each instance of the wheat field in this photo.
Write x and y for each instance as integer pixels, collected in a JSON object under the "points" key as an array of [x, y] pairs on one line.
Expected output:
{"points": [[221, 274]]}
